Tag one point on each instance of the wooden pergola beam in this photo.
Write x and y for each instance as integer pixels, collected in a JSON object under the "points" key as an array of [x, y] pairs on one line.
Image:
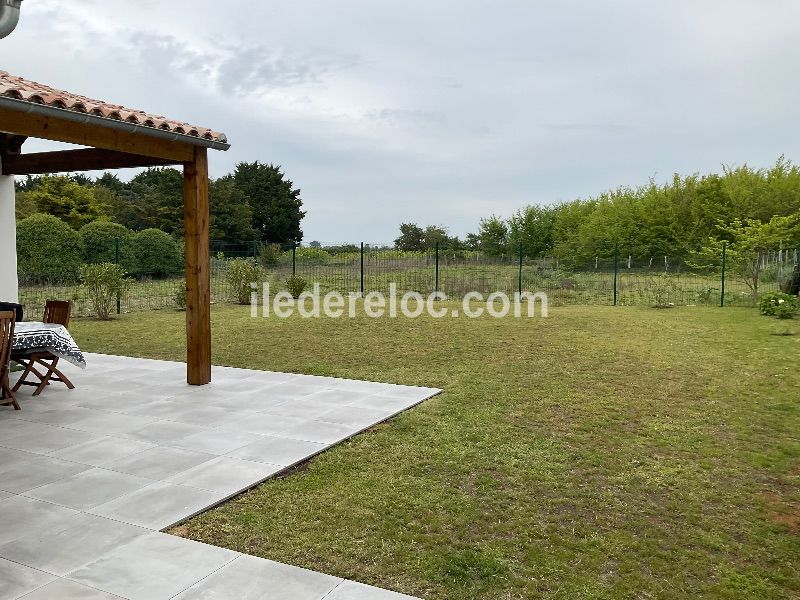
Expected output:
{"points": [[198, 275], [84, 159], [11, 144], [30, 124]]}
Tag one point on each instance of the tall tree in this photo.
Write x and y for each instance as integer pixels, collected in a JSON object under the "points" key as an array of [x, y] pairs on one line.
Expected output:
{"points": [[412, 237], [231, 215], [531, 230], [157, 193], [434, 234], [71, 202], [274, 202], [26, 185], [152, 199], [110, 181], [493, 236]]}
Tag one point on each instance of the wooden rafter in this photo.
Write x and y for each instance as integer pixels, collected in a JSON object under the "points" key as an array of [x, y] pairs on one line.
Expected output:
{"points": [[84, 159]]}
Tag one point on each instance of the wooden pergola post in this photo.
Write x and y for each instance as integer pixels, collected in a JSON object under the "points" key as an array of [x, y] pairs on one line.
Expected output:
{"points": [[113, 138], [198, 276]]}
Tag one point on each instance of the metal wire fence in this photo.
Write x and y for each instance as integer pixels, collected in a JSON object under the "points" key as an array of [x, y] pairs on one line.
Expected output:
{"points": [[362, 268]]}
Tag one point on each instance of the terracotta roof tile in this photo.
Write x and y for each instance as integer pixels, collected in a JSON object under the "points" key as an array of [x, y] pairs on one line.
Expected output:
{"points": [[37, 93]]}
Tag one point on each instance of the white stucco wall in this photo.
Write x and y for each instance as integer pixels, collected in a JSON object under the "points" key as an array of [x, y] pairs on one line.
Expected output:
{"points": [[9, 291]]}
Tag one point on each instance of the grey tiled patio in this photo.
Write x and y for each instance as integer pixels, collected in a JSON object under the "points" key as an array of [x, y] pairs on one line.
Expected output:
{"points": [[89, 477]]}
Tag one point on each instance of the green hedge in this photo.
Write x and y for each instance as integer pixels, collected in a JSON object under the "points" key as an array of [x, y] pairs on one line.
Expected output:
{"points": [[99, 244], [48, 248], [156, 253]]}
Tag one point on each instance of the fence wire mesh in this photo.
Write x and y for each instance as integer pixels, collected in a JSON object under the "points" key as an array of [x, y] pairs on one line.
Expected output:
{"points": [[354, 268]]}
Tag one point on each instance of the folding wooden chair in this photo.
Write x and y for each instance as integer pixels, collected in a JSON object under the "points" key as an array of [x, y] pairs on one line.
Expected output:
{"points": [[55, 311], [6, 341]]}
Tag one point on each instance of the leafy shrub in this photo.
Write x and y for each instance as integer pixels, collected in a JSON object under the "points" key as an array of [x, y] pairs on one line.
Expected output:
{"points": [[241, 272], [342, 249], [707, 295], [180, 296], [662, 290], [156, 253], [103, 282], [218, 264], [778, 304], [315, 256], [269, 254], [100, 240], [295, 285], [47, 247]]}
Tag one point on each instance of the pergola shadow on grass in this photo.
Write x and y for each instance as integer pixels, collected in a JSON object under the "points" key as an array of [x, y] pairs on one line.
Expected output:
{"points": [[117, 137]]}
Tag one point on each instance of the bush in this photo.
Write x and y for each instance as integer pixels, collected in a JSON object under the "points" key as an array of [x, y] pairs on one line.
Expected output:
{"points": [[241, 272], [103, 282], [343, 249], [269, 254], [661, 289], [47, 247], [708, 295], [99, 244], [180, 296], [156, 253], [778, 304], [312, 256], [295, 284]]}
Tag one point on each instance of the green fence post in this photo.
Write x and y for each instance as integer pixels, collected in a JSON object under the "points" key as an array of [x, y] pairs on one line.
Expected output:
{"points": [[616, 270], [362, 268], [437, 268], [255, 248], [722, 288], [294, 258], [519, 274], [116, 261]]}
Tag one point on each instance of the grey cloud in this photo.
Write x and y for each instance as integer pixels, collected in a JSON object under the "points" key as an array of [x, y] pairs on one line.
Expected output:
{"points": [[158, 50], [258, 68]]}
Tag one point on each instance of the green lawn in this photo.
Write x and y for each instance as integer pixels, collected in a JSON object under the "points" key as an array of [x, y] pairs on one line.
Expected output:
{"points": [[600, 453]]}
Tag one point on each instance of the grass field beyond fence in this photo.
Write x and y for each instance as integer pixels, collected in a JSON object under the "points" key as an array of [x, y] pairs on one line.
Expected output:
{"points": [[599, 453], [629, 281]]}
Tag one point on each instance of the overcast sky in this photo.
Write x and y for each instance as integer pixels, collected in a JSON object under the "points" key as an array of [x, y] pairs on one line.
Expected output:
{"points": [[439, 112]]}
